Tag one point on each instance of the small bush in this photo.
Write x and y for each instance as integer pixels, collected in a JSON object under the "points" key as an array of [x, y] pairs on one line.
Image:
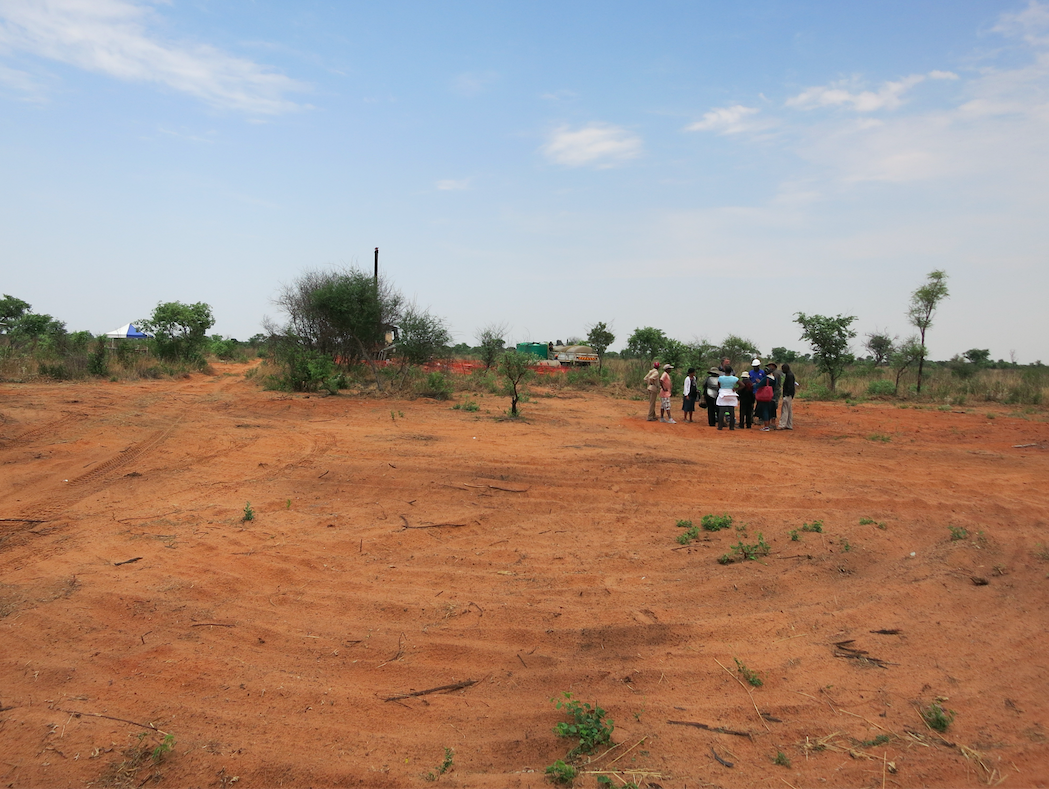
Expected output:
{"points": [[589, 725], [881, 388], [750, 676], [936, 717], [561, 773], [436, 386], [958, 533], [815, 526], [716, 522]]}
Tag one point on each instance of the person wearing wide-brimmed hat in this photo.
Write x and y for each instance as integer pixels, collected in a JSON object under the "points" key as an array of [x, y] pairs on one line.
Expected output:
{"points": [[710, 395], [652, 383], [745, 390]]}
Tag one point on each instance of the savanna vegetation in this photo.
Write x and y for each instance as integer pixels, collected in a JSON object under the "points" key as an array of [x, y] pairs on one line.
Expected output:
{"points": [[345, 331]]}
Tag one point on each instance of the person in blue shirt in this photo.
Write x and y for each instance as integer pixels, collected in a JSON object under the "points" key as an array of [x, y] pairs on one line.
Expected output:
{"points": [[727, 399]]}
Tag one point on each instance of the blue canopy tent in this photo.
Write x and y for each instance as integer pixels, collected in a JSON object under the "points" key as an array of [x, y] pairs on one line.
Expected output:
{"points": [[127, 332]]}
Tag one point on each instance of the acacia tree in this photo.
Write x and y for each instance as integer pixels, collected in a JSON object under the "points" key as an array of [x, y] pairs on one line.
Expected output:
{"points": [[829, 338], [599, 338], [11, 309], [515, 367], [180, 331], [880, 346], [647, 343], [491, 340], [422, 335], [924, 301], [735, 348], [903, 356]]}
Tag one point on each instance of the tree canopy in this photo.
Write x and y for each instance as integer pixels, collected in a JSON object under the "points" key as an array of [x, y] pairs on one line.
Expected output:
{"points": [[599, 338], [829, 338], [923, 305], [180, 331]]}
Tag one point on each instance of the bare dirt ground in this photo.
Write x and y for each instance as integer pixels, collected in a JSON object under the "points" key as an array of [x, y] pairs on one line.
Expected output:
{"points": [[400, 546]]}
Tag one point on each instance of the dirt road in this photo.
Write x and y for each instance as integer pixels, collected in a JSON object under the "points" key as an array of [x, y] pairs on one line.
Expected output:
{"points": [[401, 546]]}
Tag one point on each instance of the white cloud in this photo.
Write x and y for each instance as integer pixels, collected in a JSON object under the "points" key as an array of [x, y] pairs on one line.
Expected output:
{"points": [[727, 120], [1031, 24], [600, 145], [888, 97], [451, 185], [112, 37], [22, 82], [472, 83]]}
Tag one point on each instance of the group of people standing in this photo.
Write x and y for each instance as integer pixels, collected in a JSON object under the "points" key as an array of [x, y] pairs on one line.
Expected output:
{"points": [[762, 392]]}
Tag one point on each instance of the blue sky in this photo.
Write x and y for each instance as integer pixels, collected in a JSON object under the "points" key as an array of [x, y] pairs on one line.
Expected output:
{"points": [[705, 168]]}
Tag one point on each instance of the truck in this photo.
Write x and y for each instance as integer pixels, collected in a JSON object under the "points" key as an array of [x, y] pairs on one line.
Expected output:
{"points": [[558, 354]]}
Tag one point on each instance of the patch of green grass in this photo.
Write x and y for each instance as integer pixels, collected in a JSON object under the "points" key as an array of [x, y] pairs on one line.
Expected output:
{"points": [[749, 675], [1042, 552], [815, 526], [867, 521], [958, 533], [845, 546], [249, 513], [794, 535], [881, 739], [944, 408], [684, 524], [879, 437], [781, 759], [936, 717], [466, 405], [716, 522]]}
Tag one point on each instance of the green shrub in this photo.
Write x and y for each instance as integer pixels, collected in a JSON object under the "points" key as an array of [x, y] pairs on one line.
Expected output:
{"points": [[436, 386], [716, 522], [881, 388], [937, 717], [589, 725], [98, 363]]}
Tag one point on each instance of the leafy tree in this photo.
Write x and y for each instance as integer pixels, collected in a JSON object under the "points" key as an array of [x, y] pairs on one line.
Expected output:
{"points": [[180, 331], [344, 315], [11, 309], [599, 338], [647, 343], [737, 350], [700, 354], [515, 367], [31, 325], [903, 356], [784, 356], [923, 305], [880, 346], [977, 356], [422, 336], [490, 342], [829, 338]]}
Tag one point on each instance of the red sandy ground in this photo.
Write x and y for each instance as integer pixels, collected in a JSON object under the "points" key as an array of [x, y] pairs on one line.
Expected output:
{"points": [[399, 546]]}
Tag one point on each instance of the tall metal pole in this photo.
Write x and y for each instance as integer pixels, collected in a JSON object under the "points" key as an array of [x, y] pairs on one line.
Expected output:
{"points": [[376, 266]]}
